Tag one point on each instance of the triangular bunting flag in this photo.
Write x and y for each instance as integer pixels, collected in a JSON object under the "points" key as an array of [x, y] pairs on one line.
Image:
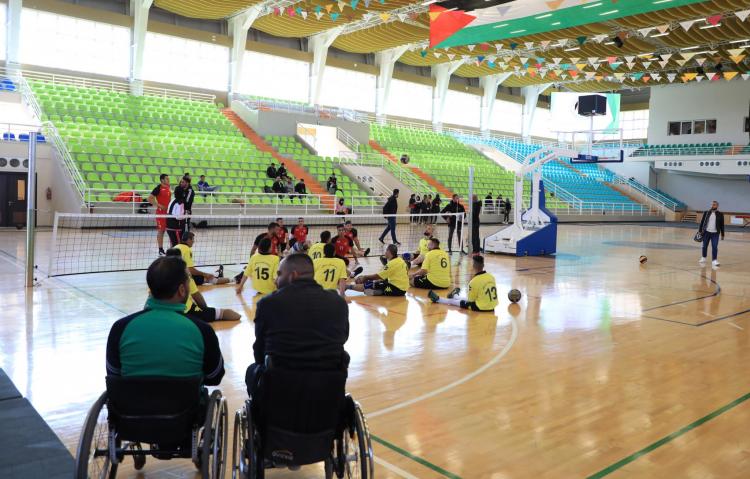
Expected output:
{"points": [[742, 15], [556, 61], [318, 15], [646, 79], [596, 66], [304, 14], [671, 77], [730, 75], [471, 47], [446, 24], [562, 43], [593, 60], [615, 65], [599, 78], [491, 64], [716, 77], [700, 78], [663, 63], [502, 10], [687, 24], [367, 3], [329, 7], [581, 40], [385, 16], [715, 19], [290, 11], [600, 38], [354, 4], [687, 55], [655, 76], [737, 58], [480, 58], [590, 75], [666, 56], [574, 59], [341, 5], [545, 43], [451, 56], [437, 54], [498, 47], [529, 45], [484, 46], [689, 76], [663, 28], [335, 16], [646, 64], [513, 46], [554, 4], [402, 17], [700, 61], [681, 62], [581, 66], [423, 53], [629, 59], [645, 31], [745, 76], [524, 60], [631, 65], [611, 60], [637, 76]]}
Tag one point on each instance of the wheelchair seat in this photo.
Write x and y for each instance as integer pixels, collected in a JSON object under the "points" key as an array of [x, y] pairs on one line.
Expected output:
{"points": [[155, 410]]}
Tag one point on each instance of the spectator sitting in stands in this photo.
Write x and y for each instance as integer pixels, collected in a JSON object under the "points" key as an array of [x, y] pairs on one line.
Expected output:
{"points": [[499, 204], [405, 159], [281, 171], [271, 171], [278, 186], [341, 208], [300, 188], [204, 186], [332, 184], [289, 185]]}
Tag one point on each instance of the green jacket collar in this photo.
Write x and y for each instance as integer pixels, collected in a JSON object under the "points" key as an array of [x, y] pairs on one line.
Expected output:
{"points": [[152, 303]]}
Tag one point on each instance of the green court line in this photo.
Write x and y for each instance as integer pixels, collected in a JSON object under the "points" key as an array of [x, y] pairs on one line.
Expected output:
{"points": [[666, 439], [414, 458]]}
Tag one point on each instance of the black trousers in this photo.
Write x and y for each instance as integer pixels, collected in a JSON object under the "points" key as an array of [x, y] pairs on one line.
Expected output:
{"points": [[475, 241], [451, 228]]}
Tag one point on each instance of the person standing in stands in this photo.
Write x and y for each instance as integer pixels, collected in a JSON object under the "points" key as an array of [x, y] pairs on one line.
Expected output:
{"points": [[301, 189], [499, 204], [271, 171], [160, 198], [454, 222], [488, 202], [508, 206], [390, 208], [712, 225], [435, 209], [412, 207], [476, 206]]}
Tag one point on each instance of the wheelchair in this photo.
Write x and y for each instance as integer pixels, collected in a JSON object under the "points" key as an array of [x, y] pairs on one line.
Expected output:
{"points": [[301, 417], [175, 417]]}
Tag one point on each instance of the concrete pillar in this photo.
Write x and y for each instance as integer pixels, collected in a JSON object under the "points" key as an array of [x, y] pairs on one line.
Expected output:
{"points": [[489, 85], [531, 97], [442, 75], [318, 44], [238, 27], [13, 34], [139, 10], [385, 61]]}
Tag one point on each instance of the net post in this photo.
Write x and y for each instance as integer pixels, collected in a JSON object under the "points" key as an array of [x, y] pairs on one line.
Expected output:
{"points": [[471, 211], [53, 253], [31, 211]]}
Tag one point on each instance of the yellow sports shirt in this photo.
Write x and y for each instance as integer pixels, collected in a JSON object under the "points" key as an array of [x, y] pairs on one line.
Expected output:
{"points": [[483, 291], [187, 254], [262, 270], [316, 251], [438, 267], [192, 289], [424, 244], [328, 272], [395, 273]]}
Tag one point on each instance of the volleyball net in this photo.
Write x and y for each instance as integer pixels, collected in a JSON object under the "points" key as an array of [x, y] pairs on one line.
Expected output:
{"points": [[97, 243]]}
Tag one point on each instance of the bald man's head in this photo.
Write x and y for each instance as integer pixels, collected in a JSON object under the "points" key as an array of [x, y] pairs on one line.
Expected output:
{"points": [[294, 267]]}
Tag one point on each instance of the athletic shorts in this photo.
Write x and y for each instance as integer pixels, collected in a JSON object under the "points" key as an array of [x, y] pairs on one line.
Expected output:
{"points": [[423, 283], [470, 305], [207, 315], [199, 279], [387, 288], [161, 223]]}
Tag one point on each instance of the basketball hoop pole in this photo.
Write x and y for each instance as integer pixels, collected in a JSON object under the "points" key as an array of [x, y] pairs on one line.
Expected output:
{"points": [[31, 211]]}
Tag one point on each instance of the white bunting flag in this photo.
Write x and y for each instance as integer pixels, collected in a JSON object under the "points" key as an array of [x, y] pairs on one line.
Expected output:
{"points": [[562, 43], [745, 76], [451, 56], [629, 59], [471, 47], [663, 63], [304, 14], [687, 24], [645, 31], [700, 61], [318, 15], [671, 77], [593, 60], [402, 17], [743, 15], [631, 65], [600, 38], [529, 45], [663, 28], [646, 64], [656, 76]]}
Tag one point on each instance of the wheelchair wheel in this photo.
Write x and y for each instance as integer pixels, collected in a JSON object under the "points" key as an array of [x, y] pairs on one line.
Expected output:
{"points": [[354, 452], [92, 456], [246, 461], [214, 438]]}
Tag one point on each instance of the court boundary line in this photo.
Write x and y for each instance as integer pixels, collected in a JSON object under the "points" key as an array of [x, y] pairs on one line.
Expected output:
{"points": [[415, 458], [393, 468], [668, 438]]}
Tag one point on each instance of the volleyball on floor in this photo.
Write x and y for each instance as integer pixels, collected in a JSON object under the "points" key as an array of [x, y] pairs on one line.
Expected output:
{"points": [[642, 259], [514, 295]]}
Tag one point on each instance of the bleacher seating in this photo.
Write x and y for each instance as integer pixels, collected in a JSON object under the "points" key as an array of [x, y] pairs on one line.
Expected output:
{"points": [[122, 142], [687, 149], [6, 84], [320, 167], [447, 160], [415, 183]]}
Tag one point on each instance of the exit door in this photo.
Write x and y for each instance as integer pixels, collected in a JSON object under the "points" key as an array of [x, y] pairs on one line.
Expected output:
{"points": [[13, 199]]}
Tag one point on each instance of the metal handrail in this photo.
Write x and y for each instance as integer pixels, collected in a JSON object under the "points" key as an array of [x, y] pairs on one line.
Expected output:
{"points": [[403, 173], [734, 150], [347, 139]]}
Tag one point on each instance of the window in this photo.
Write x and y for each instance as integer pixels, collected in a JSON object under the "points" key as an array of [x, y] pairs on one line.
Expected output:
{"points": [[461, 109], [348, 89], [3, 32], [69, 43], [696, 127], [507, 117], [186, 62], [542, 126], [275, 77], [410, 100]]}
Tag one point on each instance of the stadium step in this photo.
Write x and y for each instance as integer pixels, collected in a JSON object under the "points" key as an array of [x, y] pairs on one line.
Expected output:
{"points": [[439, 187], [313, 186]]}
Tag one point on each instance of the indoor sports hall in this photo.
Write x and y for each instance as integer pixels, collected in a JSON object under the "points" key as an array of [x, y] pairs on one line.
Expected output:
{"points": [[289, 239]]}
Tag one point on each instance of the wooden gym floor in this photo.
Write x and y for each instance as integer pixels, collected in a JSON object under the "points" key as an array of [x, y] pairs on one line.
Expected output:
{"points": [[606, 368]]}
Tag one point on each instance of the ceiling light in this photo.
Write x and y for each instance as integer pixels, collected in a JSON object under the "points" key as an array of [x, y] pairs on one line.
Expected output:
{"points": [[608, 13], [429, 2], [518, 31], [501, 25], [609, 43], [547, 15], [597, 4], [556, 23], [572, 49], [660, 35], [706, 27], [657, 2], [741, 41]]}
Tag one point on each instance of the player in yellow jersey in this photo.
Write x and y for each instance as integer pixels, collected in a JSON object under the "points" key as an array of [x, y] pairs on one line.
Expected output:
{"points": [[393, 280], [436, 269], [196, 306], [262, 269], [424, 246], [200, 278], [316, 250], [482, 291], [330, 271]]}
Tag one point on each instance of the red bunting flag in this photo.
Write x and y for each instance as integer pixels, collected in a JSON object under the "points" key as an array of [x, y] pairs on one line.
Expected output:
{"points": [[444, 23]]}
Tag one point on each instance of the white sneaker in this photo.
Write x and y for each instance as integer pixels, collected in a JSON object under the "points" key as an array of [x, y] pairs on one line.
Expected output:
{"points": [[715, 262], [702, 261]]}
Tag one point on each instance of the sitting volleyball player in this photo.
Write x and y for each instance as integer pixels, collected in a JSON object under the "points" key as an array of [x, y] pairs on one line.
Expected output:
{"points": [[330, 271], [424, 246], [262, 268], [196, 306], [200, 278], [482, 291], [436, 269], [393, 280], [316, 250]]}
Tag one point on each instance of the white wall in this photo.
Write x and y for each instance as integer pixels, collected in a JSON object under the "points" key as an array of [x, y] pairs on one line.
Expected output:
{"points": [[697, 191], [727, 102], [640, 170]]}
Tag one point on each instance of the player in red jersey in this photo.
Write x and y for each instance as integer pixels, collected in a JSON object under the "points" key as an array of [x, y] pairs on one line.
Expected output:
{"points": [[160, 198], [351, 233], [300, 230], [282, 235], [344, 245]]}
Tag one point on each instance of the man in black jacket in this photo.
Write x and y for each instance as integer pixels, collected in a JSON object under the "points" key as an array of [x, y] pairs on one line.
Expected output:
{"points": [[454, 207], [271, 171], [476, 210], [301, 325], [712, 224], [390, 208]]}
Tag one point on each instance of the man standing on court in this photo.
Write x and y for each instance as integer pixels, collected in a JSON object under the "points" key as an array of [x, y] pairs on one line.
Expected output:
{"points": [[476, 210], [390, 208], [160, 198], [712, 224], [454, 221], [301, 324]]}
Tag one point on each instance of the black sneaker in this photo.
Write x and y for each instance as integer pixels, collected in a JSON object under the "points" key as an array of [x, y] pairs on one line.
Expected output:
{"points": [[220, 271], [161, 252], [238, 278], [397, 243], [453, 293], [433, 296], [381, 240], [357, 271], [367, 251]]}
